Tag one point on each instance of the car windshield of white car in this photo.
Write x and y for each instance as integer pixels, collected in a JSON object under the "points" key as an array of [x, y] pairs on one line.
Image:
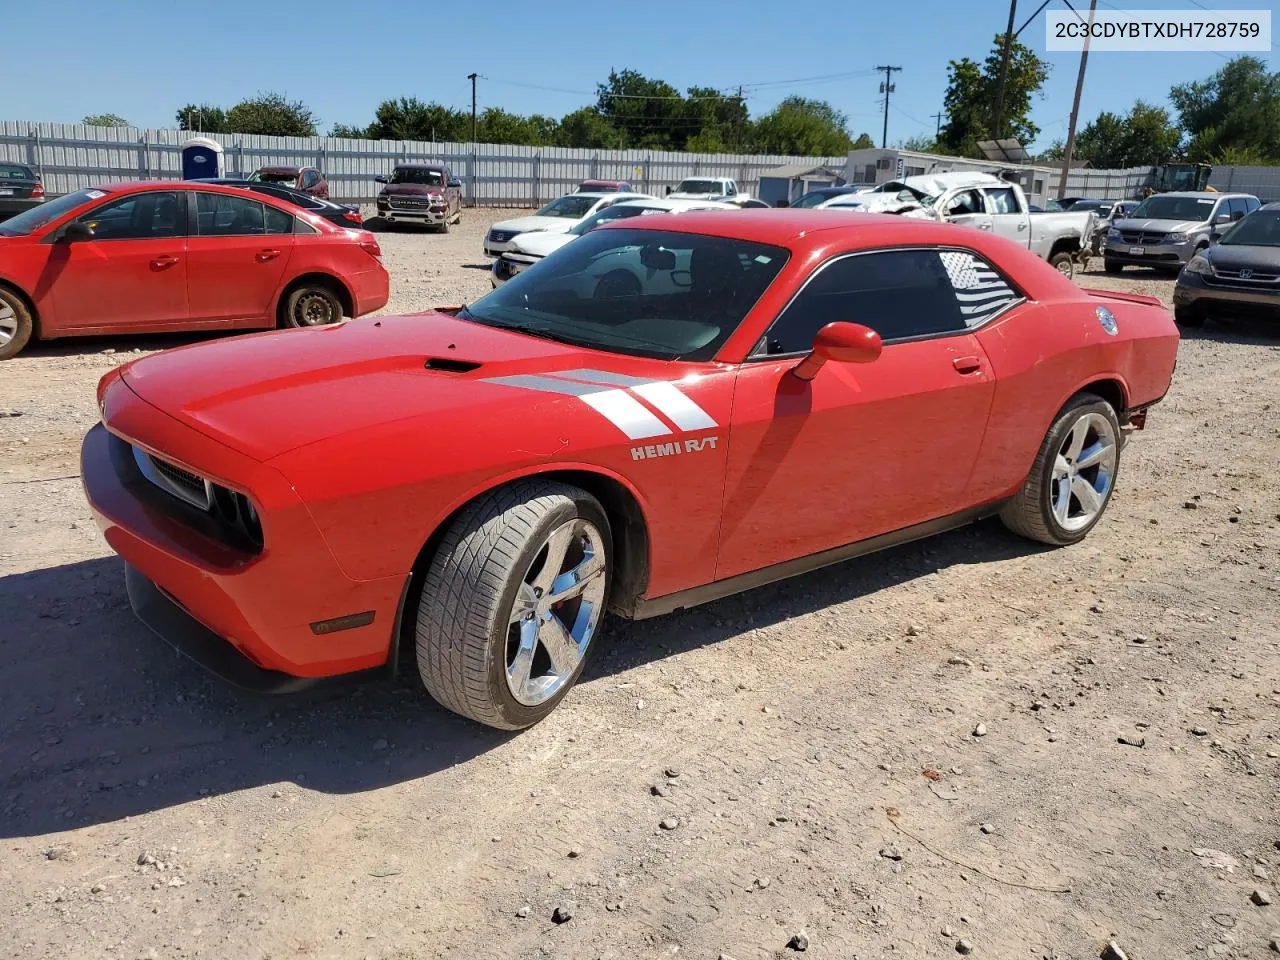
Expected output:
{"points": [[37, 217], [649, 293], [1259, 229], [1173, 208], [428, 178], [619, 211], [570, 207], [699, 186]]}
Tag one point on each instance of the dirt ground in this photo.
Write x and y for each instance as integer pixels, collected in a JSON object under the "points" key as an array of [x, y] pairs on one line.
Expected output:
{"points": [[813, 743]]}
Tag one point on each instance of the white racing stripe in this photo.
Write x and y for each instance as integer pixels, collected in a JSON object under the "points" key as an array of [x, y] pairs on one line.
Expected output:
{"points": [[626, 413], [674, 405]]}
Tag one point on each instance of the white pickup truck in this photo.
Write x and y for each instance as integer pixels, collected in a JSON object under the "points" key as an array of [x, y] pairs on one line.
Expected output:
{"points": [[708, 188], [984, 202]]}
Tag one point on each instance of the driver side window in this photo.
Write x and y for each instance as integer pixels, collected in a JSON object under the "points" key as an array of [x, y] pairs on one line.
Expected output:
{"points": [[964, 203], [139, 216]]}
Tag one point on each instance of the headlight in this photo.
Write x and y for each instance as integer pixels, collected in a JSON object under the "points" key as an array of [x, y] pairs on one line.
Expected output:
{"points": [[1175, 237], [1113, 234], [1199, 264]]}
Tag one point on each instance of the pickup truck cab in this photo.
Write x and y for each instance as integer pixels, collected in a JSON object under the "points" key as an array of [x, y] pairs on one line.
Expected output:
{"points": [[1167, 229], [707, 188]]}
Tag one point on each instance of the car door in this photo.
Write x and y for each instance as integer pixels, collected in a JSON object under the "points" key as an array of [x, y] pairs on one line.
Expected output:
{"points": [[237, 255], [1008, 220], [132, 272], [452, 191], [968, 208], [866, 449]]}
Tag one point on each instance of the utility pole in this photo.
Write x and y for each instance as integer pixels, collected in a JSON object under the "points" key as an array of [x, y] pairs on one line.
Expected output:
{"points": [[998, 126], [937, 124], [472, 78], [886, 88], [1075, 108]]}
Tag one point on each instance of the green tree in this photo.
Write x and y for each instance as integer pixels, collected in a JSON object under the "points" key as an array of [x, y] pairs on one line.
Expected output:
{"points": [[649, 113], [105, 120], [799, 126], [921, 143], [863, 142], [1238, 108], [972, 93], [348, 132], [496, 125], [410, 119], [203, 117], [273, 115], [588, 128], [1144, 137]]}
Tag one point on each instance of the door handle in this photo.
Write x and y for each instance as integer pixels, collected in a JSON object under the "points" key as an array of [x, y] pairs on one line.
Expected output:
{"points": [[967, 364], [983, 225], [265, 255], [163, 261], [1022, 224]]}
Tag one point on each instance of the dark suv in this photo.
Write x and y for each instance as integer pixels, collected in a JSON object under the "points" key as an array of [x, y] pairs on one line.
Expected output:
{"points": [[422, 192]]}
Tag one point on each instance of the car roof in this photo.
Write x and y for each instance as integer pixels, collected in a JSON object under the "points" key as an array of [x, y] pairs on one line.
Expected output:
{"points": [[660, 203], [594, 194], [1200, 194], [419, 165]]}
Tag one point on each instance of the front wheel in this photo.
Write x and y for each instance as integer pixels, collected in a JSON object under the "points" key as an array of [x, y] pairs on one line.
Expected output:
{"points": [[1112, 266], [311, 305], [512, 601], [1070, 483], [1063, 263]]}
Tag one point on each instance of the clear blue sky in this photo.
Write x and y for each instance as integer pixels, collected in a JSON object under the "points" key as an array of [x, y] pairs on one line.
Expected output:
{"points": [[144, 60]]}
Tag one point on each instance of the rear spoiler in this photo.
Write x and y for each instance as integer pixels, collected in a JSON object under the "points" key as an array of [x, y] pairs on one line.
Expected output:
{"points": [[1127, 297]]}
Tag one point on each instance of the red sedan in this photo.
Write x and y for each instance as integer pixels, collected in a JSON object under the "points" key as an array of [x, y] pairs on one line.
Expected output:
{"points": [[664, 412], [161, 257]]}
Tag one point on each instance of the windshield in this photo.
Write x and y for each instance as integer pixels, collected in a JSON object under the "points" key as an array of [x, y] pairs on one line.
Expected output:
{"points": [[1174, 208], [1260, 229], [619, 211], [648, 293], [15, 171], [35, 218], [422, 175], [700, 186], [263, 176], [570, 208], [815, 197]]}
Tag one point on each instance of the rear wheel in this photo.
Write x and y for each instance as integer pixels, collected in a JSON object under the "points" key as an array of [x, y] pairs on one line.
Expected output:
{"points": [[1070, 483], [15, 324], [512, 601], [1112, 266], [311, 305]]}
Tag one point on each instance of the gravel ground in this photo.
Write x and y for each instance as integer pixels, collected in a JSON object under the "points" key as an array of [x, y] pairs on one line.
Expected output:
{"points": [[965, 744]]}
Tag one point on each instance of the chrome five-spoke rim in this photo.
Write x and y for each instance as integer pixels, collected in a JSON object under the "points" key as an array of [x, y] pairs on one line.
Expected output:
{"points": [[8, 324], [1083, 471], [555, 613]]}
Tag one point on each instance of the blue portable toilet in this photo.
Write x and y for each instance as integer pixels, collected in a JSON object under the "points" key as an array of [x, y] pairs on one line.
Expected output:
{"points": [[201, 158]]}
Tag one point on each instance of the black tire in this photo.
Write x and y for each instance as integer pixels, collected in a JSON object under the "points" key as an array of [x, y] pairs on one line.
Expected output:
{"points": [[464, 630], [443, 226], [1060, 258], [311, 305], [1112, 266], [1188, 317], [16, 325], [1030, 513]]}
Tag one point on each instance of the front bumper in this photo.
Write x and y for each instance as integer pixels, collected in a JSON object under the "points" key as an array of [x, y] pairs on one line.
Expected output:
{"points": [[508, 265], [495, 248], [1152, 255], [1192, 292], [264, 606], [434, 215]]}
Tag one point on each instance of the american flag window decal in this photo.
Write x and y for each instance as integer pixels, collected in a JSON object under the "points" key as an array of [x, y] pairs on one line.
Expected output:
{"points": [[981, 292]]}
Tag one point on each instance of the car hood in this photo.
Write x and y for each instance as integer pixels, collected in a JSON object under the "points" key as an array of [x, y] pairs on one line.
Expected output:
{"points": [[527, 224], [267, 394], [1236, 256], [695, 196], [1158, 226], [541, 244], [410, 190]]}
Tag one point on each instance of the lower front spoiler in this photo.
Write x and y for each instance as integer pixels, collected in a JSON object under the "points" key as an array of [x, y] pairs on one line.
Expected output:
{"points": [[194, 640]]}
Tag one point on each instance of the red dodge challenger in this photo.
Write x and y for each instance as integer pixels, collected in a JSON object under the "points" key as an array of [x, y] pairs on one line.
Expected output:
{"points": [[160, 257], [661, 413]]}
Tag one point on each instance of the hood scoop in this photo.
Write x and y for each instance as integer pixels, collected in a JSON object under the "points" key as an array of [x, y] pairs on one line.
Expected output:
{"points": [[450, 365]]}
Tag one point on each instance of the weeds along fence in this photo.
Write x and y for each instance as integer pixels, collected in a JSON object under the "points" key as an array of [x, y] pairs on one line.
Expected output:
{"points": [[70, 156]]}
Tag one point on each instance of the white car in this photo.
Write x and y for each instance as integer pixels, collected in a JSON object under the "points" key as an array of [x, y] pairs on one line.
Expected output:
{"points": [[723, 189], [558, 216], [527, 249]]}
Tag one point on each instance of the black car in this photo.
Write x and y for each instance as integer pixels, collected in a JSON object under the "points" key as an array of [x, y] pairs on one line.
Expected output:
{"points": [[20, 189], [1238, 274], [341, 214]]}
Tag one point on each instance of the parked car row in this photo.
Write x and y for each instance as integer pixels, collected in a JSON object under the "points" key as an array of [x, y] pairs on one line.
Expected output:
{"points": [[1236, 274]]}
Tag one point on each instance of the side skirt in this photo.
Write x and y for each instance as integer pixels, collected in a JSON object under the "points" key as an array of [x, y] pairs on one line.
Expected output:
{"points": [[718, 589]]}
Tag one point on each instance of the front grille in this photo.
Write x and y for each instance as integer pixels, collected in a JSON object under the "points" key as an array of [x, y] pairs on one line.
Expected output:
{"points": [[500, 236], [1246, 276], [173, 480], [1141, 237], [414, 203]]}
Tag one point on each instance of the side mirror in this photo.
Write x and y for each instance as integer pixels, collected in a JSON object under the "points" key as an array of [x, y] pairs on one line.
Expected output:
{"points": [[668, 189], [1222, 218], [455, 182], [380, 179], [841, 342], [75, 232]]}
